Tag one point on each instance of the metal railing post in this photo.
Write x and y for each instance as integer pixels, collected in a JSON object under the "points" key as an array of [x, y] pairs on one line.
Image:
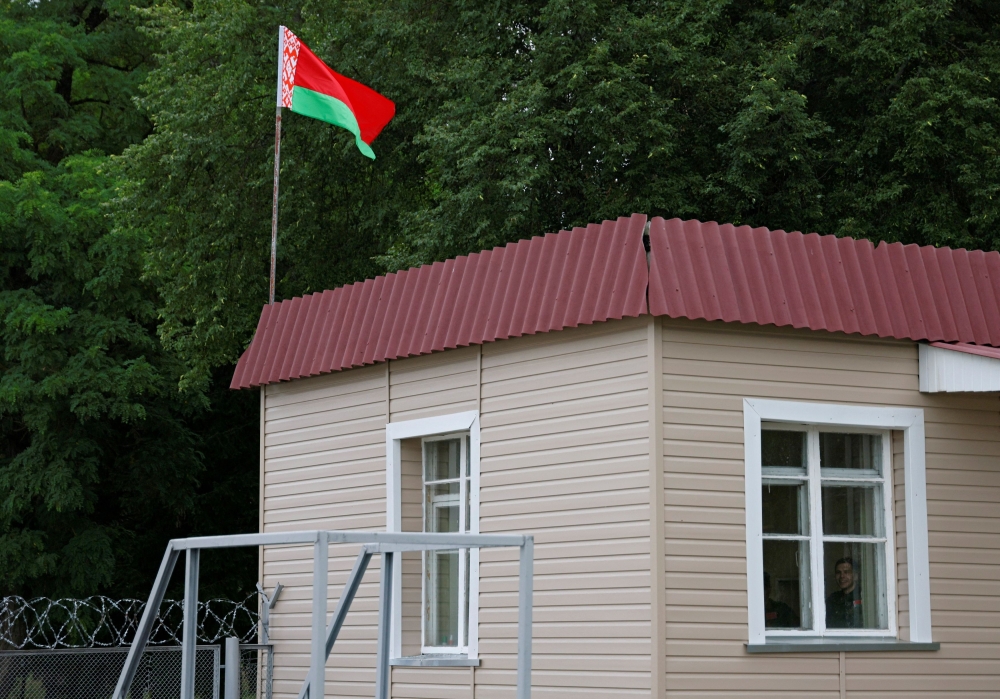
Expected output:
{"points": [[525, 589], [317, 656], [233, 668], [146, 622], [384, 619], [190, 629]]}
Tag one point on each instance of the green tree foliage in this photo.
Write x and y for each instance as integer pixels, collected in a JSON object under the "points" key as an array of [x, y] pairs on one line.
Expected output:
{"points": [[513, 118], [200, 186], [101, 456], [873, 120]]}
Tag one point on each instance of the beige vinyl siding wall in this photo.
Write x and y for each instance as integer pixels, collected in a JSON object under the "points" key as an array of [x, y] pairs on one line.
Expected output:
{"points": [[565, 457], [412, 520], [708, 369], [324, 467], [435, 384]]}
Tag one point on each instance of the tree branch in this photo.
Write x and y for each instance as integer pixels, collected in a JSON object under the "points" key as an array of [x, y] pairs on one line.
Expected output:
{"points": [[90, 101]]}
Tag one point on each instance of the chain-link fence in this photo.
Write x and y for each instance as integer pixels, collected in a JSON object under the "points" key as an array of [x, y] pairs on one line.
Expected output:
{"points": [[76, 648], [256, 671], [92, 673]]}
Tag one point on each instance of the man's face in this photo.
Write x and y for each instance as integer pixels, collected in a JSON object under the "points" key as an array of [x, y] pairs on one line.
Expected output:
{"points": [[845, 577]]}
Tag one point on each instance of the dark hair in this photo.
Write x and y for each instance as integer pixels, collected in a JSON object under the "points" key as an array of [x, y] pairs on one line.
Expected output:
{"points": [[845, 560]]}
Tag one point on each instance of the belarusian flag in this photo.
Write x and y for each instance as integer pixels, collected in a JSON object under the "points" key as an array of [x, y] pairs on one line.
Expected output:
{"points": [[307, 86]]}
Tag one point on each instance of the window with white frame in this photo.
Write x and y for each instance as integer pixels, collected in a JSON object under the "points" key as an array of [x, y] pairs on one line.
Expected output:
{"points": [[432, 479], [447, 508], [826, 507], [819, 521]]}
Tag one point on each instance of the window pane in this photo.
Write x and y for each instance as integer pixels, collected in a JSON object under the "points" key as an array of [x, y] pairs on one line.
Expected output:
{"points": [[852, 510], [441, 611], [442, 459], [855, 586], [856, 451], [468, 506], [785, 508], [443, 614], [468, 456], [786, 585], [781, 448], [441, 507]]}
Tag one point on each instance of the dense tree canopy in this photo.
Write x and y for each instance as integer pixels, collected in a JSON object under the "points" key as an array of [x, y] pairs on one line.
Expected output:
{"points": [[135, 191], [101, 456], [873, 120]]}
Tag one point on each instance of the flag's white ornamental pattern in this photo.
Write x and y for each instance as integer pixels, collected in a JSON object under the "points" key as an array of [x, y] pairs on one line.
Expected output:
{"points": [[289, 57]]}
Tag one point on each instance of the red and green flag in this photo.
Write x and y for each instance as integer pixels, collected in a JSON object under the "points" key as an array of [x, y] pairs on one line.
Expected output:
{"points": [[308, 86]]}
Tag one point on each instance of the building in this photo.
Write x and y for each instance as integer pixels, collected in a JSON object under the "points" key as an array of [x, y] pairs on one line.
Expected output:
{"points": [[755, 463]]}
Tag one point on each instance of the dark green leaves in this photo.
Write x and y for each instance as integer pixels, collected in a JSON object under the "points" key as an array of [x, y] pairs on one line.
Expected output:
{"points": [[94, 435], [873, 120]]}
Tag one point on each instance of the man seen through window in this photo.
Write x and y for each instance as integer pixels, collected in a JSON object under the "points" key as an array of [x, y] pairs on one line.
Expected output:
{"points": [[843, 607], [777, 614]]}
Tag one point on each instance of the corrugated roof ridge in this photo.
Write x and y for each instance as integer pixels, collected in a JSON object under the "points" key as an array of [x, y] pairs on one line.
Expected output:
{"points": [[373, 295], [860, 292], [978, 327], [243, 376], [491, 265], [599, 272], [324, 301], [297, 310], [382, 329], [955, 323], [339, 304], [821, 280], [632, 281], [278, 323], [464, 271], [515, 317], [545, 318], [991, 281]]}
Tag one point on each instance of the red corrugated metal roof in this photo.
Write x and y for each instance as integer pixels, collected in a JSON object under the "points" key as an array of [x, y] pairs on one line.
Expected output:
{"points": [[561, 280], [755, 275], [981, 350], [696, 270]]}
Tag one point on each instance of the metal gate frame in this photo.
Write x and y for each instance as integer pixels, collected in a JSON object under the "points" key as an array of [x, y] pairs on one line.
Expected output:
{"points": [[323, 636]]}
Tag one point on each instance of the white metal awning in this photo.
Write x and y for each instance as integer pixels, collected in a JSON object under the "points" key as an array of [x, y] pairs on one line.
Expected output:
{"points": [[960, 367]]}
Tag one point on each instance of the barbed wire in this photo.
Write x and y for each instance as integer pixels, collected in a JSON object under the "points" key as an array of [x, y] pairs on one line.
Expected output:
{"points": [[101, 622]]}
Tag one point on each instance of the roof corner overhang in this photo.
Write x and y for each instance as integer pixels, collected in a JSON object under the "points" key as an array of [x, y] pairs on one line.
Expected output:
{"points": [[959, 368]]}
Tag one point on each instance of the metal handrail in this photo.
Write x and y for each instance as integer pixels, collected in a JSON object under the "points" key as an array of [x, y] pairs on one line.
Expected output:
{"points": [[323, 636]]}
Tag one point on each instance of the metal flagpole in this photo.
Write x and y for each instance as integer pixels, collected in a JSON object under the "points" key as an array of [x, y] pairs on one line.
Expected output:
{"points": [[274, 204], [277, 160]]}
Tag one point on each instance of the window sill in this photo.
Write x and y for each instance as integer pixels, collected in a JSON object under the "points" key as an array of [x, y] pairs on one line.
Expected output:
{"points": [[836, 645], [435, 661]]}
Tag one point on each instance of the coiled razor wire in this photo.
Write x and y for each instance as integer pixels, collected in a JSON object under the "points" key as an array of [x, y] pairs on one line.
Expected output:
{"points": [[101, 622]]}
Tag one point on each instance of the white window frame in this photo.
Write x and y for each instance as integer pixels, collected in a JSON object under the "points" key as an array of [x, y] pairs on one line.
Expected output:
{"points": [[813, 480], [847, 417], [395, 432], [465, 483]]}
